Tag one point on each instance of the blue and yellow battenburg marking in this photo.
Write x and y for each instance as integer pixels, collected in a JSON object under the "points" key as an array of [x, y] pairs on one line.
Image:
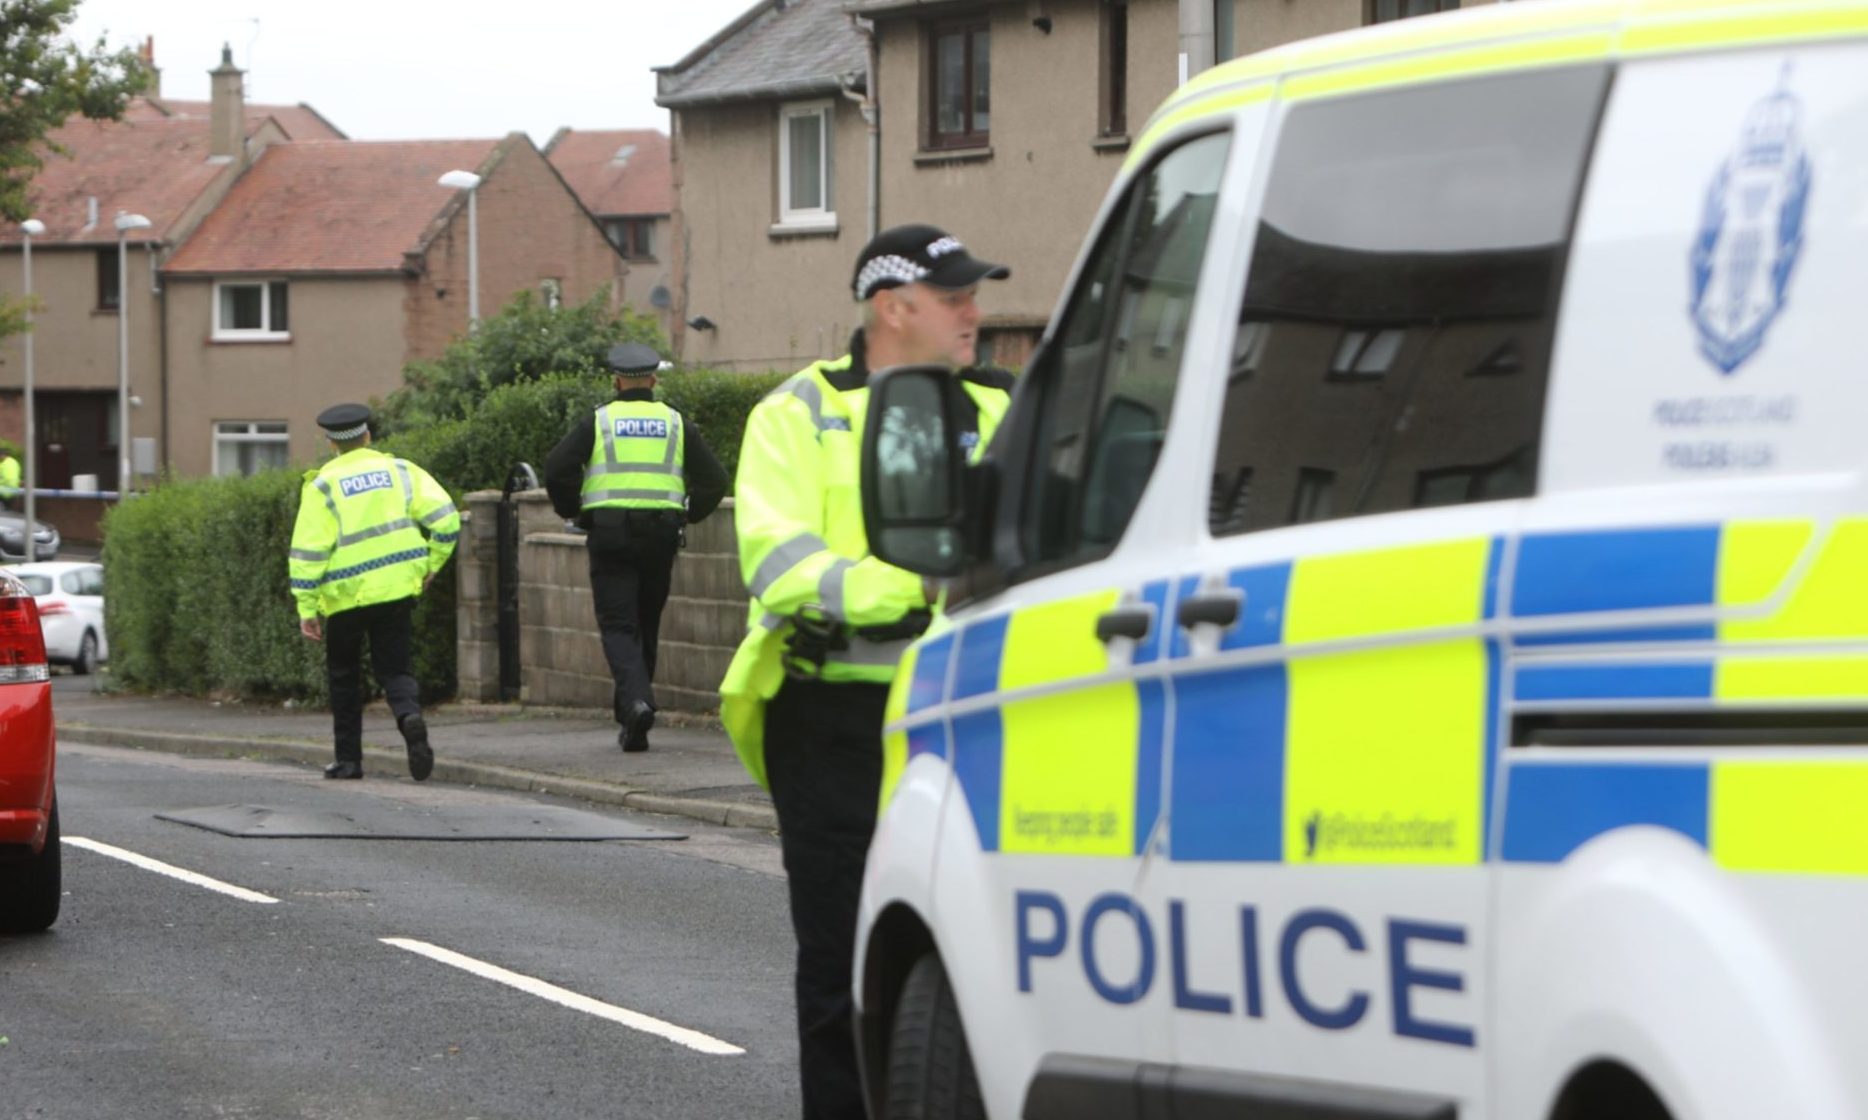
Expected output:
{"points": [[1362, 723]]}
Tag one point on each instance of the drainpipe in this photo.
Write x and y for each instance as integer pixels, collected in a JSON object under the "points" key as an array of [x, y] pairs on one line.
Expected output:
{"points": [[162, 364], [871, 105], [1196, 37]]}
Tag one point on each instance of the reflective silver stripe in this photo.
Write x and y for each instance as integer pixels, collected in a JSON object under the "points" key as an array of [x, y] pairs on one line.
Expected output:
{"points": [[606, 432], [672, 461], [441, 514], [384, 529], [408, 487], [830, 587], [862, 651], [782, 559], [770, 621], [807, 390], [308, 555], [601, 469], [673, 498]]}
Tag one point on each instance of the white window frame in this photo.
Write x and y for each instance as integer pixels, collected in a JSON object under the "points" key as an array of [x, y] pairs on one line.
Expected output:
{"points": [[265, 333], [230, 431], [811, 217]]}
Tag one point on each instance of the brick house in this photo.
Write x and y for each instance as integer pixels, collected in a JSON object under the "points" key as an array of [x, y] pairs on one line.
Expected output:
{"points": [[623, 178], [923, 110]]}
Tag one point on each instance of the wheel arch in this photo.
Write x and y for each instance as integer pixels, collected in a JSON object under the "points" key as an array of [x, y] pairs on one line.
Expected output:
{"points": [[1606, 1088], [897, 939]]}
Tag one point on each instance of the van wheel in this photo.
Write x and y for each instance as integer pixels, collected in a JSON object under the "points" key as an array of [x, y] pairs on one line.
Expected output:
{"points": [[930, 1074], [30, 891], [87, 655]]}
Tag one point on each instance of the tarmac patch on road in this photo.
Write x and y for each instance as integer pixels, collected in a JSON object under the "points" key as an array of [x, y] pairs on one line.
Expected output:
{"points": [[406, 822]]}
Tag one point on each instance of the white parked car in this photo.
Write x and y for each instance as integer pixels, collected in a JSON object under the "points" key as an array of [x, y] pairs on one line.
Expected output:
{"points": [[70, 595]]}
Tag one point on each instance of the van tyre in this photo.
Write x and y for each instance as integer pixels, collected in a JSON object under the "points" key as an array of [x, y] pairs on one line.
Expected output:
{"points": [[87, 655], [930, 1074], [30, 891]]}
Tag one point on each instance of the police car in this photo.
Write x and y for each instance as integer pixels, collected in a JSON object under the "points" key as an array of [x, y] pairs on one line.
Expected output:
{"points": [[1409, 648]]}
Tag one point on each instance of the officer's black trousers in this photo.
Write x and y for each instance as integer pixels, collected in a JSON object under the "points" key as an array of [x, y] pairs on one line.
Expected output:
{"points": [[630, 567], [388, 629], [823, 758]]}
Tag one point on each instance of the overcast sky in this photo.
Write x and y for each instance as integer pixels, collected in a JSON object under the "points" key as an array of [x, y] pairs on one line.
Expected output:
{"points": [[424, 69]]}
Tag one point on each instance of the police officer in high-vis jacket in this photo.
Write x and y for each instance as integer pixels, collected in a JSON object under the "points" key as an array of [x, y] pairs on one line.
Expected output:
{"points": [[633, 476], [803, 698], [372, 531]]}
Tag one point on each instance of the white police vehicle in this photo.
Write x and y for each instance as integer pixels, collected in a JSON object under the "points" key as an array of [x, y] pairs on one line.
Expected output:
{"points": [[1413, 653]]}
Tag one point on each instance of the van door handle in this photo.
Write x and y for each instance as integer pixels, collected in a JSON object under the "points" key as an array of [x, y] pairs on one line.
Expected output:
{"points": [[1217, 608], [1125, 622]]}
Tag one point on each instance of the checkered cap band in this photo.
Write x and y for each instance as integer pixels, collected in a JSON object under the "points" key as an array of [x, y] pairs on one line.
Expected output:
{"points": [[885, 269], [349, 433]]}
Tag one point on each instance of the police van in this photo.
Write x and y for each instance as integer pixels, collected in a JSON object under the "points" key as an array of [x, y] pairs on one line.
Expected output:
{"points": [[1408, 652]]}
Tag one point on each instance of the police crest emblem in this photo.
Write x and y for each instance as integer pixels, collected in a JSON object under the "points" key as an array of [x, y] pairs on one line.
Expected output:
{"points": [[1751, 233]]}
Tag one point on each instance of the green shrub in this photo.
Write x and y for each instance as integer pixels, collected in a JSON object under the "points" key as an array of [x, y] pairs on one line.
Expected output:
{"points": [[198, 600], [717, 403]]}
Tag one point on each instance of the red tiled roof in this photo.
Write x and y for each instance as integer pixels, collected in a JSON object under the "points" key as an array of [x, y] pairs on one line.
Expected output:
{"points": [[330, 206], [156, 168], [641, 182], [300, 122]]}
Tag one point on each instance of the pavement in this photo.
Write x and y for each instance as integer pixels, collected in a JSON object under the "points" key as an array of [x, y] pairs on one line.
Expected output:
{"points": [[690, 769]]}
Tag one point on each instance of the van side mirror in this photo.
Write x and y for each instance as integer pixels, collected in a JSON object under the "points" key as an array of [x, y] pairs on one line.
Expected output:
{"points": [[913, 470]]}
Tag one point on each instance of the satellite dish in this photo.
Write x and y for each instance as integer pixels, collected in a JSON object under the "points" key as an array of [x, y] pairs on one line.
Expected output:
{"points": [[660, 298]]}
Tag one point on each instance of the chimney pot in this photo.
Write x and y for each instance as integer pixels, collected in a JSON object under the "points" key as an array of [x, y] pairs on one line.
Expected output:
{"points": [[227, 109]]}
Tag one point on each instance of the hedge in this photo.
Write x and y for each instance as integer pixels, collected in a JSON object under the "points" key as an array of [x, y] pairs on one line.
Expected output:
{"points": [[198, 599]]}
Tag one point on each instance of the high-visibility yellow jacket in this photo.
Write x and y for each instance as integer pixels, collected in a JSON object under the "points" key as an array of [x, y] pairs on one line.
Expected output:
{"points": [[370, 529], [9, 478], [798, 512], [637, 460]]}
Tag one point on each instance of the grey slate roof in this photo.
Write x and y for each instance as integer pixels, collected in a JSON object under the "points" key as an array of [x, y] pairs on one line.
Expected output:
{"points": [[778, 49]]}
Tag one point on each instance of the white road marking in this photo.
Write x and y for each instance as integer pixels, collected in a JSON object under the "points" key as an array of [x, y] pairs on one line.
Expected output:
{"points": [[635, 1020], [168, 869]]}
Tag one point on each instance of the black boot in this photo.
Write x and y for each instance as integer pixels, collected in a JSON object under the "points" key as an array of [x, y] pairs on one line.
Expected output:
{"points": [[421, 756], [341, 769], [635, 733]]}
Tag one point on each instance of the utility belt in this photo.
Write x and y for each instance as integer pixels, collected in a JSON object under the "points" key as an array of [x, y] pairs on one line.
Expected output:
{"points": [[817, 638], [616, 526]]}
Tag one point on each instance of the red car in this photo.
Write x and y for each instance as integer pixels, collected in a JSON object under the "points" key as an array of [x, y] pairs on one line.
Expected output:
{"points": [[29, 863]]}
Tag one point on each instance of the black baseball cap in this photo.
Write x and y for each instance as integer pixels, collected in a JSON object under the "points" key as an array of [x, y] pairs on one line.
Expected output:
{"points": [[918, 255], [345, 421]]}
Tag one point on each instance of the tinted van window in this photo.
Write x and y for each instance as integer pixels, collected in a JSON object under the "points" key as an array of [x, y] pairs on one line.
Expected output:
{"points": [[1394, 340]]}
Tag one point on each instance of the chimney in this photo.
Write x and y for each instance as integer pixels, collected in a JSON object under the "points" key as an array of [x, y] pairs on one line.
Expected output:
{"points": [[149, 60], [227, 110]]}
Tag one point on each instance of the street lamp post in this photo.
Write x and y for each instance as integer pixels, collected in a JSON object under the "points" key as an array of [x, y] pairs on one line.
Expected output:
{"points": [[469, 182], [31, 227], [125, 223]]}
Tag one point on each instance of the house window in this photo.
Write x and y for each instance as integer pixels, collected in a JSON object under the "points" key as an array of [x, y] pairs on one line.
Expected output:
{"points": [[250, 309], [633, 237], [1115, 98], [243, 447], [1365, 353], [804, 166], [108, 279], [959, 84], [1381, 11]]}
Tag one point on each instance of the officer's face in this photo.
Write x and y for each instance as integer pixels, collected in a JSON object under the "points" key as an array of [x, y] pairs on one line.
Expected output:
{"points": [[940, 324]]}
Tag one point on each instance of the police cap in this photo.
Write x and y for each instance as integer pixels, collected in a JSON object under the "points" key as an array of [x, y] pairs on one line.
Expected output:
{"points": [[632, 359], [345, 421], [919, 255]]}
